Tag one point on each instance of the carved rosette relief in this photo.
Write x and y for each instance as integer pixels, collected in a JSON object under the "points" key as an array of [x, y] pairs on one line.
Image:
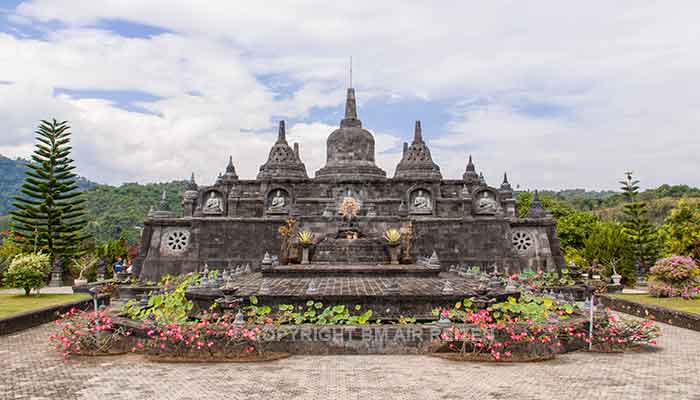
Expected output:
{"points": [[175, 241], [522, 241]]}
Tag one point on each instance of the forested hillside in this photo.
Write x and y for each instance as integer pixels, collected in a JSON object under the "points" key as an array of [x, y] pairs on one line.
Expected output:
{"points": [[120, 211], [11, 178]]}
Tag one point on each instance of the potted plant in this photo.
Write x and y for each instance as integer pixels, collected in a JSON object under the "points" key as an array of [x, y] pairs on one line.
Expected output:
{"points": [[82, 265], [306, 239], [393, 239]]}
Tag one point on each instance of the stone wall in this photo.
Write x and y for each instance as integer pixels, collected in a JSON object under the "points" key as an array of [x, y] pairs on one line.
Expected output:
{"points": [[225, 242]]}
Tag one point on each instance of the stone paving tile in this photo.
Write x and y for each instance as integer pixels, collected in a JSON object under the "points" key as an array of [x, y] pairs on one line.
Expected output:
{"points": [[282, 285], [30, 370]]}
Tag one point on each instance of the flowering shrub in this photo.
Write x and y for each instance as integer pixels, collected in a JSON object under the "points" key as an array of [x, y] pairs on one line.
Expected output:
{"points": [[675, 276], [482, 336], [209, 337], [86, 332], [611, 333], [28, 271]]}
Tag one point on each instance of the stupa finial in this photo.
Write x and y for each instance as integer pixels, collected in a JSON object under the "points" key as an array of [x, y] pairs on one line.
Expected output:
{"points": [[417, 133], [281, 133], [350, 105]]}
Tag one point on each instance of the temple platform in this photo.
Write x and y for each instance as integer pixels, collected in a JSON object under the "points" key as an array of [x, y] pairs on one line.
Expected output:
{"points": [[388, 296]]}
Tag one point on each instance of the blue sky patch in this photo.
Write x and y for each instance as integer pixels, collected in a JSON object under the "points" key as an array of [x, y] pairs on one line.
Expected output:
{"points": [[125, 99], [129, 29]]}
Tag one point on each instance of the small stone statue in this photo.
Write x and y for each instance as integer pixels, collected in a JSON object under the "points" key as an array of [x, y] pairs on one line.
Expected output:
{"points": [[393, 288], [421, 202], [447, 288], [239, 319], [100, 267], [57, 273], [213, 204], [312, 288], [266, 261]]}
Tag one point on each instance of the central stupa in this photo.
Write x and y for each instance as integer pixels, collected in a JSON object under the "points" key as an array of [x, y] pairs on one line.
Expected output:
{"points": [[350, 149]]}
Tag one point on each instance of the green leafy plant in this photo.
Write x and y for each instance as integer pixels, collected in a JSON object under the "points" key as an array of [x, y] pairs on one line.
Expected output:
{"points": [[530, 308], [392, 237], [306, 238], [165, 308], [28, 271]]}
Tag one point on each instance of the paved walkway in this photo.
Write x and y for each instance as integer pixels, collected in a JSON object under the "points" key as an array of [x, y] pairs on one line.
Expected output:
{"points": [[45, 290], [30, 370]]}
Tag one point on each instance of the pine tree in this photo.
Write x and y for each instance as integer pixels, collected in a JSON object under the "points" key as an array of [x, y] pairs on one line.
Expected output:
{"points": [[636, 226], [49, 214]]}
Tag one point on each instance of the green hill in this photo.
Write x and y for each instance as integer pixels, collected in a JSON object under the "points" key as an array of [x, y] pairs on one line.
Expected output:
{"points": [[11, 178], [115, 211]]}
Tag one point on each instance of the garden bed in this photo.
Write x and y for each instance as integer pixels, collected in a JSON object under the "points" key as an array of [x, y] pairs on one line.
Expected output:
{"points": [[659, 313], [42, 313]]}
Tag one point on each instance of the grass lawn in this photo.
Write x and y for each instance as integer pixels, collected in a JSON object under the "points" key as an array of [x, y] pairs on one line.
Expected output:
{"points": [[16, 303], [676, 303]]}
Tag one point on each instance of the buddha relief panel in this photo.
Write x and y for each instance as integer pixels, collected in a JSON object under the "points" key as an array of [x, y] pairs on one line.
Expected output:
{"points": [[278, 201], [213, 204], [421, 202], [486, 203]]}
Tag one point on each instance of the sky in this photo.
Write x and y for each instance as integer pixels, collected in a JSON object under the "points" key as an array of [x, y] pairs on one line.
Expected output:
{"points": [[556, 94]]}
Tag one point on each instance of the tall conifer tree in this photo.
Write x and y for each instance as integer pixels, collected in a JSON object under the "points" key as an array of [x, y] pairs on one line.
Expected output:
{"points": [[49, 213], [641, 233]]}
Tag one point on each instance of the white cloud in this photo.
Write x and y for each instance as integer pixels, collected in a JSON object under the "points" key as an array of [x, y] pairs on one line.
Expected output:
{"points": [[617, 83]]}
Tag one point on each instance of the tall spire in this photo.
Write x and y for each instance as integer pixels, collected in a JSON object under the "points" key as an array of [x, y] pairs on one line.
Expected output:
{"points": [[470, 177], [230, 167], [505, 186], [417, 133], [163, 205], [281, 133], [536, 209], [191, 185], [350, 105], [470, 164]]}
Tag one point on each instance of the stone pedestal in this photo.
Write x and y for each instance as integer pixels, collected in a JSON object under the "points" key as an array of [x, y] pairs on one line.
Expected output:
{"points": [[394, 254], [100, 269], [305, 255], [56, 274]]}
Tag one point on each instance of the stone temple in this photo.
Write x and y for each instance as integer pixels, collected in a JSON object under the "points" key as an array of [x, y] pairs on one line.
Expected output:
{"points": [[348, 205]]}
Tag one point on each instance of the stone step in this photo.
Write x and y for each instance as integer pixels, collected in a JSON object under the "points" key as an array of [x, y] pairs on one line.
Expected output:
{"points": [[354, 269]]}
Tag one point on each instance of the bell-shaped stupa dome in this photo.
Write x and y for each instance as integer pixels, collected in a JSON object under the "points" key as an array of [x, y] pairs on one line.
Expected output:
{"points": [[350, 149], [417, 163], [283, 162]]}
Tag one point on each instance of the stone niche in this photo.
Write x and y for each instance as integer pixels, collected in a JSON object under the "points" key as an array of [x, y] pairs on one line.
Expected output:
{"points": [[486, 201], [421, 201], [212, 203], [278, 201]]}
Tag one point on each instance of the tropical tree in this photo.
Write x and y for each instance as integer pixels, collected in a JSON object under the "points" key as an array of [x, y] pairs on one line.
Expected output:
{"points": [[682, 230], [608, 244], [636, 226], [49, 215]]}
